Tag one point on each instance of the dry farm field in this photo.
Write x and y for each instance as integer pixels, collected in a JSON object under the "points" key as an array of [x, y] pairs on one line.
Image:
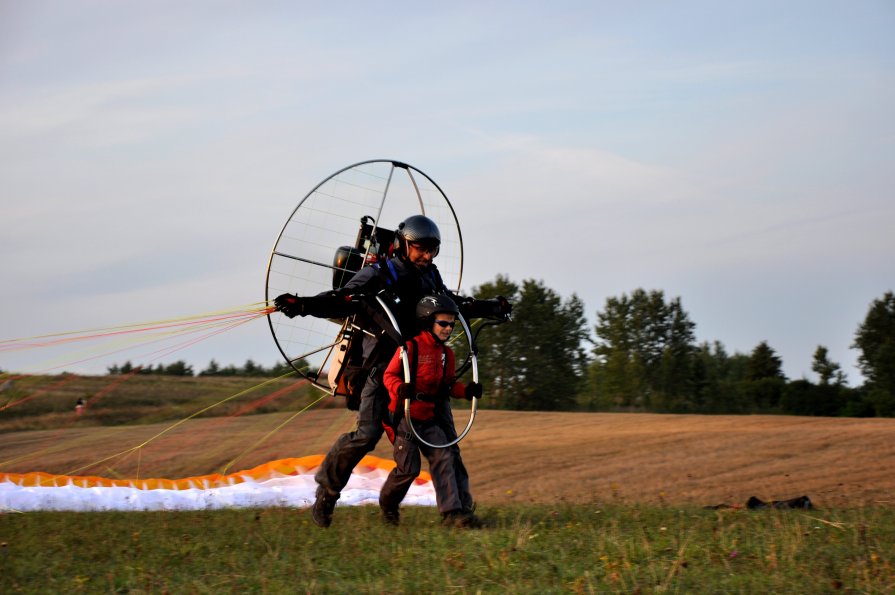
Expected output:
{"points": [[525, 457]]}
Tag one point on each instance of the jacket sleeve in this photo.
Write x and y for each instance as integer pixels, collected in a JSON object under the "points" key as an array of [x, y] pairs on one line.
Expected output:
{"points": [[339, 303], [330, 304]]}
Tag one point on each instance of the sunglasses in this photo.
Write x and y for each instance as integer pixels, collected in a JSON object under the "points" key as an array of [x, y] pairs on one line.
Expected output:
{"points": [[428, 248], [445, 323]]}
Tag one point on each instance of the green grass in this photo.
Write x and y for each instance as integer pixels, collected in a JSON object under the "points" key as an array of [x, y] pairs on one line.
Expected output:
{"points": [[535, 549]]}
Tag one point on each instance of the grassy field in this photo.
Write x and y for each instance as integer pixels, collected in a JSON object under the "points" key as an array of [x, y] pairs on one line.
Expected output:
{"points": [[524, 549], [574, 502]]}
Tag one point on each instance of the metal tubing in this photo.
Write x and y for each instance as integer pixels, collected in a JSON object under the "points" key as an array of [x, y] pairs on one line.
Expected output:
{"points": [[406, 362]]}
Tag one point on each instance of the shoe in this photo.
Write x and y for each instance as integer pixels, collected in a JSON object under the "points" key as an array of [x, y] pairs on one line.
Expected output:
{"points": [[391, 516], [322, 510], [461, 519]]}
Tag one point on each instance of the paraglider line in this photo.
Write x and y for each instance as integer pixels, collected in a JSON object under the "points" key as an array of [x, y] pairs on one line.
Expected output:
{"points": [[271, 433], [178, 423]]}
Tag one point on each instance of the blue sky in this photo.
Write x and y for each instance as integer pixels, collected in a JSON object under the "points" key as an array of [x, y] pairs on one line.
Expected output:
{"points": [[737, 155]]}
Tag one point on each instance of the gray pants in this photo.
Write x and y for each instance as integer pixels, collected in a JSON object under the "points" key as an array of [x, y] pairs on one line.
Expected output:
{"points": [[448, 473], [445, 417], [350, 448]]}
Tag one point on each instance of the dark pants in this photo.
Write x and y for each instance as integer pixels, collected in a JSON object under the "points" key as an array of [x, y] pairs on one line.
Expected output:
{"points": [[448, 474], [350, 448], [445, 417]]}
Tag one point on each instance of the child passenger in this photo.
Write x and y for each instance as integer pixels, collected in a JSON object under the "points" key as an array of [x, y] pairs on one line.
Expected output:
{"points": [[430, 387]]}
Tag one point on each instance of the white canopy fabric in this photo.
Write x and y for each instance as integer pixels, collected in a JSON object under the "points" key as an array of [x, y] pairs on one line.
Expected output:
{"points": [[286, 483]]}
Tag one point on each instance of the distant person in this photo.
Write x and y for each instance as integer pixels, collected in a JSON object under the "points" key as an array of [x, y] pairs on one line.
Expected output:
{"points": [[429, 390], [79, 407], [404, 277]]}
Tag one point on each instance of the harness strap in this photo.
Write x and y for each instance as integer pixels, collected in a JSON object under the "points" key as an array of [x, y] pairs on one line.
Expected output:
{"points": [[393, 273], [414, 360], [399, 406]]}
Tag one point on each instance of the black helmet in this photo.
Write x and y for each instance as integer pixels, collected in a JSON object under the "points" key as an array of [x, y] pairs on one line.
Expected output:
{"points": [[431, 305], [417, 228]]}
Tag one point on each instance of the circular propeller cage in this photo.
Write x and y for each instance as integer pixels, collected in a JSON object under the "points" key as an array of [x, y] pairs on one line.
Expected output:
{"points": [[348, 220]]}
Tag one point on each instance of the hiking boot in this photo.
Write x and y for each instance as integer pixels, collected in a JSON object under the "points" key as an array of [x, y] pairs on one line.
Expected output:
{"points": [[322, 510], [391, 516], [461, 519]]}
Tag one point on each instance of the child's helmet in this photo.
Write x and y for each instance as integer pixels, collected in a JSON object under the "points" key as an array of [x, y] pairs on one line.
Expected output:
{"points": [[431, 305]]}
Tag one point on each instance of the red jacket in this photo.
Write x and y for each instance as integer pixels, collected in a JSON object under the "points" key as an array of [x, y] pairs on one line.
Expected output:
{"points": [[435, 373]]}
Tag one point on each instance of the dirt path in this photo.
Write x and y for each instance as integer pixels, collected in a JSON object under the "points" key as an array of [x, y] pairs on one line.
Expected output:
{"points": [[528, 457]]}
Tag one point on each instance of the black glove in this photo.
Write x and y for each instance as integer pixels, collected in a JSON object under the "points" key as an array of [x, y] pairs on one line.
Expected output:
{"points": [[504, 307], [290, 305], [406, 390], [473, 391]]}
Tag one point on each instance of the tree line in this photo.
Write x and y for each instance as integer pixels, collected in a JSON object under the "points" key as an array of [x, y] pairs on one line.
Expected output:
{"points": [[182, 368], [642, 355]]}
